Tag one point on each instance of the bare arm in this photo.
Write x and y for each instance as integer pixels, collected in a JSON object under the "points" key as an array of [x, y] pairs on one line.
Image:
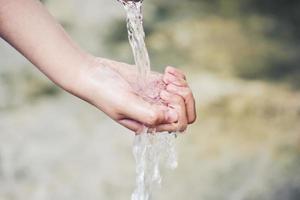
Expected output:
{"points": [[27, 26], [30, 29]]}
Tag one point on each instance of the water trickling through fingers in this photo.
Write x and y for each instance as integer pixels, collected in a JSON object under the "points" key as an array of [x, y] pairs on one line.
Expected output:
{"points": [[151, 150]]}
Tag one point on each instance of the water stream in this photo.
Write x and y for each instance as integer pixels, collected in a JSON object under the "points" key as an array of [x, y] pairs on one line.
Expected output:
{"points": [[151, 150]]}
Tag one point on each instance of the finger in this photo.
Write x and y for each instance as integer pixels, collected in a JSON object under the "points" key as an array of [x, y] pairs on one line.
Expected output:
{"points": [[176, 72], [170, 78], [178, 104], [167, 127], [132, 125], [147, 114], [187, 95], [139, 128]]}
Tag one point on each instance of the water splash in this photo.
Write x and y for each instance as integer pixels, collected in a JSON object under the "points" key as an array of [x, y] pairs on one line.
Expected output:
{"points": [[151, 150]]}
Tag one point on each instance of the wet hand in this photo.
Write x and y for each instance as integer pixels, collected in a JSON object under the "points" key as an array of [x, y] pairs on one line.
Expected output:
{"points": [[109, 86], [179, 91]]}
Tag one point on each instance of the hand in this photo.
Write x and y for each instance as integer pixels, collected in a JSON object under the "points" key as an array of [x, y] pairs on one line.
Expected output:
{"points": [[111, 86], [181, 97], [174, 93]]}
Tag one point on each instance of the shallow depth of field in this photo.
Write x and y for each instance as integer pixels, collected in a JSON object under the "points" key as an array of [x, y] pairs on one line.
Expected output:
{"points": [[242, 60]]}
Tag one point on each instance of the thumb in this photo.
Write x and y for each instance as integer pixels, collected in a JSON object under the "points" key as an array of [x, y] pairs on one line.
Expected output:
{"points": [[148, 114]]}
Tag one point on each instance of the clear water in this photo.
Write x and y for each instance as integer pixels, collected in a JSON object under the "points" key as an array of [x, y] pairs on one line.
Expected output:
{"points": [[136, 37], [151, 150]]}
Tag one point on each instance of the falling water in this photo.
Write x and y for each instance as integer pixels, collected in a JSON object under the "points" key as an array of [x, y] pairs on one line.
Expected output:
{"points": [[136, 37], [151, 150]]}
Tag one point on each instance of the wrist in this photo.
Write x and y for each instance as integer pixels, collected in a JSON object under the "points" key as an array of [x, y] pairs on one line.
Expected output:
{"points": [[74, 81]]}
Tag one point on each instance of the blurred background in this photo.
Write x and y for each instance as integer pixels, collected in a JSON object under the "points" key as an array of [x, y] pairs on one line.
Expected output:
{"points": [[242, 61]]}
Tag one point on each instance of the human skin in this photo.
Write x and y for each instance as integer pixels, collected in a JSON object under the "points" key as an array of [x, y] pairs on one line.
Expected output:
{"points": [[104, 83]]}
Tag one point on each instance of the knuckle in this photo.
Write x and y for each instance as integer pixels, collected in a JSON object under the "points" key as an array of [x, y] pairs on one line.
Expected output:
{"points": [[190, 98], [187, 94], [153, 118], [117, 115], [176, 98], [172, 128]]}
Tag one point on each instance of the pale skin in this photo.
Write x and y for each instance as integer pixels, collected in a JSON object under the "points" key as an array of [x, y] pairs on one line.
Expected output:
{"points": [[104, 83]]}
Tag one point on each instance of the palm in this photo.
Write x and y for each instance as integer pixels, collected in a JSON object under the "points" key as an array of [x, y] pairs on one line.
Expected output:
{"points": [[118, 94]]}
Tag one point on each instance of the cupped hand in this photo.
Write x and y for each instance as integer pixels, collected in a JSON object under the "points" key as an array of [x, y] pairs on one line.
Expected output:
{"points": [[181, 96], [170, 89], [112, 87]]}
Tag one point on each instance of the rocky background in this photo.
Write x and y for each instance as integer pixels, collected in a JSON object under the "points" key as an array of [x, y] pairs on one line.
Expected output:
{"points": [[242, 61]]}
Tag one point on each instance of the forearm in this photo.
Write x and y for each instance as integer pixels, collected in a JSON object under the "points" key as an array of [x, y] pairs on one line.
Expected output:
{"points": [[29, 28]]}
